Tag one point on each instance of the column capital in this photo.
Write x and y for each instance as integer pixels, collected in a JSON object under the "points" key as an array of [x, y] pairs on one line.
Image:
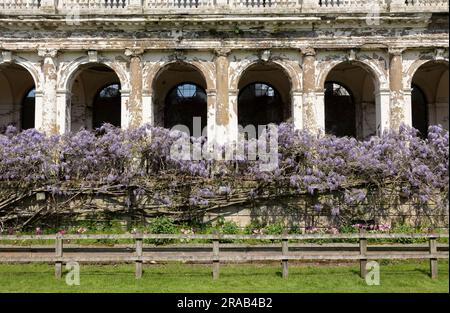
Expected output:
{"points": [[63, 92], [47, 52], [396, 51], [222, 52], [308, 51], [147, 92]]}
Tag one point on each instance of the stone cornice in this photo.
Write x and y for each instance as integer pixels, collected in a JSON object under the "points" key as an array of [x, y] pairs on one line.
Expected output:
{"points": [[211, 44]]}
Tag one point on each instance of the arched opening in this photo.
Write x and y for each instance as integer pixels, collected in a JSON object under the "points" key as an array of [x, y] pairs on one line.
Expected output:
{"points": [[419, 110], [17, 97], [28, 109], [96, 97], [184, 102], [341, 108], [350, 108], [264, 96], [106, 107], [260, 104], [429, 96], [180, 98]]}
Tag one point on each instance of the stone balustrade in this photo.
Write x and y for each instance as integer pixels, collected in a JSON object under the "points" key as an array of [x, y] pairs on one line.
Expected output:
{"points": [[13, 7]]}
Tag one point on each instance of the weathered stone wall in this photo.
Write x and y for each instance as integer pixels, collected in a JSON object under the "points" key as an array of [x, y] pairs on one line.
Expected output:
{"points": [[306, 45], [292, 211]]}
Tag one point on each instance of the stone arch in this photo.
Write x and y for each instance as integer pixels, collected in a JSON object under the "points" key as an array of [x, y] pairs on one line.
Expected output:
{"points": [[265, 93], [380, 79], [350, 99], [79, 115], [68, 72], [152, 71], [171, 76], [414, 67], [431, 78], [32, 70], [290, 70], [17, 78]]}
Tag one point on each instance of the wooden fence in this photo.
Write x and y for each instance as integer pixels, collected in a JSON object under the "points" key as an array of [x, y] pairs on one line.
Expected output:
{"points": [[432, 253]]}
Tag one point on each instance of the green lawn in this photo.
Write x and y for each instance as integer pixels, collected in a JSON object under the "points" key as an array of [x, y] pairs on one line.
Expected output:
{"points": [[404, 276]]}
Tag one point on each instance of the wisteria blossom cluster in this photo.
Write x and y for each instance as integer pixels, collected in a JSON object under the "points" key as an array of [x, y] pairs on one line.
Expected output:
{"points": [[306, 162]]}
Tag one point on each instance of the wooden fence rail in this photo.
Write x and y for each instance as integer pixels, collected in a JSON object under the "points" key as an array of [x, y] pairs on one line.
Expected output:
{"points": [[433, 253]]}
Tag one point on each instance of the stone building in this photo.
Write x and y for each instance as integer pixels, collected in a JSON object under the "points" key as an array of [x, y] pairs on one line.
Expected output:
{"points": [[348, 67]]}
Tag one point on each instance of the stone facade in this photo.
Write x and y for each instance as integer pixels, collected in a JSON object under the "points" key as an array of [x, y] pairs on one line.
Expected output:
{"points": [[67, 50]]}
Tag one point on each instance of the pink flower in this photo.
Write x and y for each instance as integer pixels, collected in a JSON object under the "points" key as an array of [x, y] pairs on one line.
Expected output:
{"points": [[384, 227], [38, 231], [61, 232], [333, 231]]}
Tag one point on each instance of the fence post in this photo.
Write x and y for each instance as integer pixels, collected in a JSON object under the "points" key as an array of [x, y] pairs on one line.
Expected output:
{"points": [[58, 254], [362, 252], [433, 261], [216, 262], [138, 263], [285, 251]]}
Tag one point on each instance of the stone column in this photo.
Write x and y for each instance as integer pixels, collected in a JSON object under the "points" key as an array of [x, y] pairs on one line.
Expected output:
{"points": [[38, 111], [225, 122], [63, 103], [313, 118], [398, 114], [382, 100], [54, 117], [124, 108], [147, 108], [297, 108], [134, 107], [233, 129], [211, 115], [408, 105]]}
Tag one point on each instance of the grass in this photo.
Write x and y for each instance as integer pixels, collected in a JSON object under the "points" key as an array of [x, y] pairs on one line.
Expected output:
{"points": [[396, 276]]}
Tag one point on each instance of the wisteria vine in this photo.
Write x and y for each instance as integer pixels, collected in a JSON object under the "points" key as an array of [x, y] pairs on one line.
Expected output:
{"points": [[140, 160]]}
